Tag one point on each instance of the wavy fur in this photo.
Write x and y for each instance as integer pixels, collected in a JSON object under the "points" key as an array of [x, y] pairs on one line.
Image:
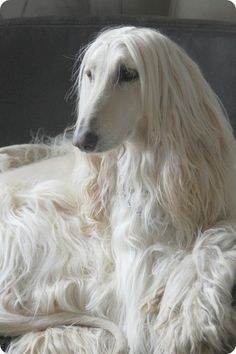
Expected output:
{"points": [[142, 233]]}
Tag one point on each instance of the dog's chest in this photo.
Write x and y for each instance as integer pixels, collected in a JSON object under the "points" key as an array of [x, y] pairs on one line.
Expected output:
{"points": [[138, 248], [127, 196], [137, 219]]}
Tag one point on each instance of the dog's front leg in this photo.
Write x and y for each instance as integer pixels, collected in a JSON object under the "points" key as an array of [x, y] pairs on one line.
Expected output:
{"points": [[196, 314], [14, 156]]}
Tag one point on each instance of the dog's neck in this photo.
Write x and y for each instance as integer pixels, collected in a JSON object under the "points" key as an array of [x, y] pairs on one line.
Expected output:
{"points": [[136, 197], [125, 178]]}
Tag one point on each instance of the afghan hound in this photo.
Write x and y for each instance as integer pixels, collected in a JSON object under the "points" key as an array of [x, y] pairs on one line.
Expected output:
{"points": [[126, 241]]}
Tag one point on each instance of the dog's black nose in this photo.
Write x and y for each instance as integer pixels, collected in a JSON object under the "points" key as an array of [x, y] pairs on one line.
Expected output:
{"points": [[86, 142]]}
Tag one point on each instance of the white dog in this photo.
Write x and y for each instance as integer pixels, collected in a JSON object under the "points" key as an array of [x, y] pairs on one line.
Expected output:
{"points": [[134, 233]]}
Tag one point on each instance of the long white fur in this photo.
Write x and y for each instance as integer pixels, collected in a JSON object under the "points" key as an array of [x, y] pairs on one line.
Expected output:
{"points": [[142, 232]]}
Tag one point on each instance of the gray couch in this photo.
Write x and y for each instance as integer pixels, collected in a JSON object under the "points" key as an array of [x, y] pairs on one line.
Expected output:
{"points": [[37, 57], [27, 8]]}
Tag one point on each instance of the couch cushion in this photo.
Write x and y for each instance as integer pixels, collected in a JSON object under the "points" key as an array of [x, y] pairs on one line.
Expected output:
{"points": [[32, 8], [204, 9], [35, 8]]}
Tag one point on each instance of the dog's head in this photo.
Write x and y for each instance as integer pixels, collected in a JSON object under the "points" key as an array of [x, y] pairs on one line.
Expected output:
{"points": [[135, 82], [110, 99]]}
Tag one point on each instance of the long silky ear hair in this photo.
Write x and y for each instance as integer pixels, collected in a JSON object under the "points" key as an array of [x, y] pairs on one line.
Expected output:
{"points": [[188, 130]]}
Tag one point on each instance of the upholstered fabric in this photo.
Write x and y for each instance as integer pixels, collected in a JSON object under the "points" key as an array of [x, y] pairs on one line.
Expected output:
{"points": [[37, 58], [203, 9], [31, 8]]}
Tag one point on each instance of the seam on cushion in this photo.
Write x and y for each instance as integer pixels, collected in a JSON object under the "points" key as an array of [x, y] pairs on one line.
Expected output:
{"points": [[196, 26]]}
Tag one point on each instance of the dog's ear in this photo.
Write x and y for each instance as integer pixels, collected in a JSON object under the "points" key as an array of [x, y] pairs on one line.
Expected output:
{"points": [[194, 145], [192, 182]]}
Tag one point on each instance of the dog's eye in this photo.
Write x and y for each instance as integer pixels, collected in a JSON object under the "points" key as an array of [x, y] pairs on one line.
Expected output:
{"points": [[89, 74], [125, 74]]}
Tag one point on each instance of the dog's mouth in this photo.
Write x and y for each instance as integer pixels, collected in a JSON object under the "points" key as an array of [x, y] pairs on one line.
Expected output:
{"points": [[92, 143], [112, 143], [101, 148], [90, 148]]}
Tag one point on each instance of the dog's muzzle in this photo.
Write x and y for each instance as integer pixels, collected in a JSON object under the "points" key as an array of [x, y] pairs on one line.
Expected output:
{"points": [[86, 141]]}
